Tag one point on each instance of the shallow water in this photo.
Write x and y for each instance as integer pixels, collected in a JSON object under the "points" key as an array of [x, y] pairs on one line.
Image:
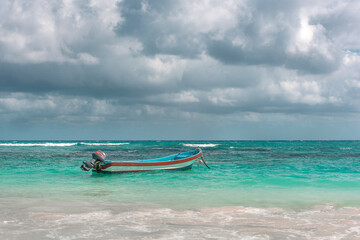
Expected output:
{"points": [[254, 190]]}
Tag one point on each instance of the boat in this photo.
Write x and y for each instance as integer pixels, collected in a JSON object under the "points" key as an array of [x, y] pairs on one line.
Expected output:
{"points": [[180, 161]]}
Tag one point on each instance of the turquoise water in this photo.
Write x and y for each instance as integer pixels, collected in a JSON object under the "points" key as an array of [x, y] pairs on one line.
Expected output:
{"points": [[294, 176]]}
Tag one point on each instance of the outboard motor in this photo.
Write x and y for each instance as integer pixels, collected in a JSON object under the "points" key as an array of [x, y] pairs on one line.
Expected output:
{"points": [[98, 157]]}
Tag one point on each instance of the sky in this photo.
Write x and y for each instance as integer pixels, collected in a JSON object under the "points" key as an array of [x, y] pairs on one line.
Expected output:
{"points": [[142, 70]]}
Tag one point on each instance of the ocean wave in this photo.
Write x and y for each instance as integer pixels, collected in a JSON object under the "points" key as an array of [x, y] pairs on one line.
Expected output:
{"points": [[204, 145], [48, 144], [103, 144], [55, 144]]}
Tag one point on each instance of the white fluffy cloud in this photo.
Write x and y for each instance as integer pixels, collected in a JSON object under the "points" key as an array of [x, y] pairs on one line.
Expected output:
{"points": [[53, 31]]}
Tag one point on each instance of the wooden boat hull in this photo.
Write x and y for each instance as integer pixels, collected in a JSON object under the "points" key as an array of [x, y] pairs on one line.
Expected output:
{"points": [[179, 161]]}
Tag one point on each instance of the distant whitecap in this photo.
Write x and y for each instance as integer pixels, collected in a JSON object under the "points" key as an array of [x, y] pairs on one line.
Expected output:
{"points": [[199, 145], [48, 144], [103, 144]]}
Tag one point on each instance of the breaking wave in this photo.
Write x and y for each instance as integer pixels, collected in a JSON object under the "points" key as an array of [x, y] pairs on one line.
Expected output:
{"points": [[199, 145], [103, 144], [48, 144], [54, 144]]}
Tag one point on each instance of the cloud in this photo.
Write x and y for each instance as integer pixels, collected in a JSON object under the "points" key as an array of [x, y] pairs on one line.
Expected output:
{"points": [[66, 61], [59, 31], [275, 33]]}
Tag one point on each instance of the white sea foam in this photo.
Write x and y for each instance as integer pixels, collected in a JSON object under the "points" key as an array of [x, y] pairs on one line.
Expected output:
{"points": [[203, 145], [56, 144], [48, 144], [103, 144], [220, 222], [228, 222]]}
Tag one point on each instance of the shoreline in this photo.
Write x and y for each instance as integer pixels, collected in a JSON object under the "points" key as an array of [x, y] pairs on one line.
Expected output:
{"points": [[107, 221]]}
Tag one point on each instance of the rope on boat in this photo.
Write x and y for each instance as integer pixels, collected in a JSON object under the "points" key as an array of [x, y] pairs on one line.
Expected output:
{"points": [[203, 160], [176, 156]]}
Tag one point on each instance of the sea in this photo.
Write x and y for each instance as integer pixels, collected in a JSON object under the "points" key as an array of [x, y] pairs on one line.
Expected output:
{"points": [[253, 190]]}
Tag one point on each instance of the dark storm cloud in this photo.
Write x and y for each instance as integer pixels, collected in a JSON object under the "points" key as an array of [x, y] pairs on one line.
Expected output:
{"points": [[71, 79], [151, 22]]}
